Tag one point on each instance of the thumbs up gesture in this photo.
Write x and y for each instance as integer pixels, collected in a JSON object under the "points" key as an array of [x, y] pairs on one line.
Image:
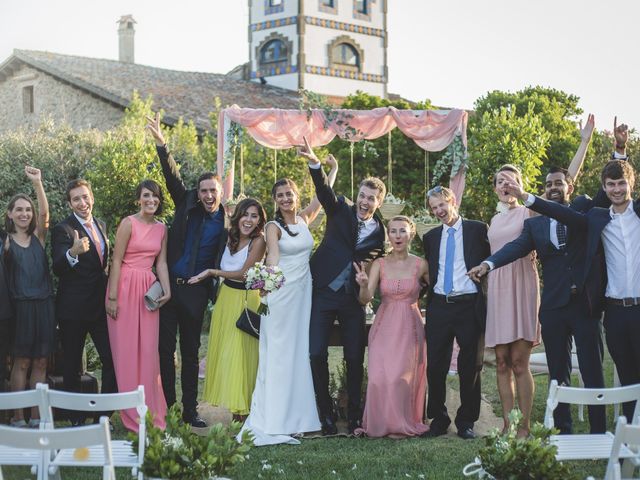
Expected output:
{"points": [[80, 245]]}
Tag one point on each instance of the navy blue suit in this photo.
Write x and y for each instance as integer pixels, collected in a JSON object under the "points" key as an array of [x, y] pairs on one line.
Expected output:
{"points": [[565, 308], [338, 249], [622, 324]]}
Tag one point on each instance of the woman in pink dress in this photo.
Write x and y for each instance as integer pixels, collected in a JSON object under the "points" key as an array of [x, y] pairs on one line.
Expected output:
{"points": [[513, 298], [397, 365], [141, 243]]}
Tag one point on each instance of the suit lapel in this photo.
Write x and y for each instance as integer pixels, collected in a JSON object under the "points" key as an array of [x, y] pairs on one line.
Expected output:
{"points": [[467, 242], [353, 217], [102, 228], [435, 248]]}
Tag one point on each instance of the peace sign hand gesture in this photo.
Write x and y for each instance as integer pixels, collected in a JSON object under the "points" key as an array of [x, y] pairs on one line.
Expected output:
{"points": [[154, 128], [307, 152], [361, 274]]}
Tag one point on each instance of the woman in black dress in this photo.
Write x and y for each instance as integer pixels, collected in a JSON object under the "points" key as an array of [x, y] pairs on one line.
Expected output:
{"points": [[30, 289]]}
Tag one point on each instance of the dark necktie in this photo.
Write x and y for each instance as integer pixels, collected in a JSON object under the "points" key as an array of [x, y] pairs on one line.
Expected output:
{"points": [[360, 227], [561, 232]]}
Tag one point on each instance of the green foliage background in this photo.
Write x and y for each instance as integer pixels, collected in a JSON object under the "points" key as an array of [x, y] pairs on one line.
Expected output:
{"points": [[532, 128]]}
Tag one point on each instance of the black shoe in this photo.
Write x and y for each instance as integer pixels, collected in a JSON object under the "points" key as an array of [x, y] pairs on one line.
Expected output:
{"points": [[195, 421], [466, 433], [435, 431], [353, 425], [328, 426]]}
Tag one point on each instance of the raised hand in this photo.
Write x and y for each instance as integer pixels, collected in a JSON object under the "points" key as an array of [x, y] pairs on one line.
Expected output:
{"points": [[331, 161], [307, 152], [362, 278], [155, 129], [587, 132], [515, 189], [33, 174], [80, 245], [620, 133], [476, 273]]}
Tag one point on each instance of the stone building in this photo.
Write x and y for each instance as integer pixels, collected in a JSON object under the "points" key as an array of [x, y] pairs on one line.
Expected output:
{"points": [[93, 93], [332, 47]]}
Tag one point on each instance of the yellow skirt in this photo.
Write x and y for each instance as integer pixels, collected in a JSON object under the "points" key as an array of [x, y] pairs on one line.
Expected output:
{"points": [[232, 355]]}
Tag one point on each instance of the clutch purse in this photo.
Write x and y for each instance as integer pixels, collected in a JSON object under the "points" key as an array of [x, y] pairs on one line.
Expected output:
{"points": [[249, 321], [153, 294]]}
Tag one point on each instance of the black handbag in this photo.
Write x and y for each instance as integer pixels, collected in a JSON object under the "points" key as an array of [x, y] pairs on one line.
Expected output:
{"points": [[249, 321]]}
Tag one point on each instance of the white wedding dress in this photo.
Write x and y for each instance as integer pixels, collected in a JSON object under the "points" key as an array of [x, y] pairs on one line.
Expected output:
{"points": [[283, 401]]}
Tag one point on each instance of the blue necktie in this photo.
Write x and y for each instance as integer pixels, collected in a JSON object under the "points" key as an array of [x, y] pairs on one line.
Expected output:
{"points": [[448, 261]]}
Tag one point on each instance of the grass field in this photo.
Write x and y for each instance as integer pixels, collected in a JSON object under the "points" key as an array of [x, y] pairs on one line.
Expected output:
{"points": [[371, 459]]}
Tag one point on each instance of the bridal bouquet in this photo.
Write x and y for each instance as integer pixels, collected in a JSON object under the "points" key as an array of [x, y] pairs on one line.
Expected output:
{"points": [[267, 278]]}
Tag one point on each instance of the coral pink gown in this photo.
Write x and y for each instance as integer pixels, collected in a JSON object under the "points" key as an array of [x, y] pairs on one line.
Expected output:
{"points": [[397, 366], [134, 335]]}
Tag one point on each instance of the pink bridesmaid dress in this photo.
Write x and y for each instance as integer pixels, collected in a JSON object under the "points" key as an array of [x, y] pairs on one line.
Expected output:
{"points": [[513, 295], [397, 366], [134, 335]]}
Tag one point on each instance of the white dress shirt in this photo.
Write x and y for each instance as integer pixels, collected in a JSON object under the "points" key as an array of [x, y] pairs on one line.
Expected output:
{"points": [[462, 284], [553, 232], [73, 261], [621, 239]]}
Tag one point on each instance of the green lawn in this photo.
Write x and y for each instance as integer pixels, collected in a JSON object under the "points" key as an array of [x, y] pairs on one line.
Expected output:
{"points": [[371, 459]]}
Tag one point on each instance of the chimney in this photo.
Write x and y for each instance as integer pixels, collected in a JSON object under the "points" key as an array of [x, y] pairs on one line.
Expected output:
{"points": [[125, 38]]}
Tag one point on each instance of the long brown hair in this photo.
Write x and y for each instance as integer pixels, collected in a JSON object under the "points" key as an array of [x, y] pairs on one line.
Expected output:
{"points": [[278, 215], [240, 211], [8, 223]]}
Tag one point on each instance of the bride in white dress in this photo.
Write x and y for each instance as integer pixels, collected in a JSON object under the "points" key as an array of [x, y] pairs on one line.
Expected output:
{"points": [[283, 402]]}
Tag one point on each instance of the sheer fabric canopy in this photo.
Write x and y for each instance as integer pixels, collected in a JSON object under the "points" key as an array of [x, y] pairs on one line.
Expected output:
{"points": [[431, 130]]}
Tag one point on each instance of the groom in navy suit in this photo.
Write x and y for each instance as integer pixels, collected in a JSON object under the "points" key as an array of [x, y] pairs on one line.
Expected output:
{"points": [[569, 306], [353, 234], [615, 232]]}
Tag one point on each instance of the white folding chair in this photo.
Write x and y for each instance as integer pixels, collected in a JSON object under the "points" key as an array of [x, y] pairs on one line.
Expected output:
{"points": [[588, 446], [26, 399], [123, 453], [626, 435], [44, 441]]}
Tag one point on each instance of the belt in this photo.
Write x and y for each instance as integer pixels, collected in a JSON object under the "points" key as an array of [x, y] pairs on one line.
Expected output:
{"points": [[182, 281], [464, 298], [624, 302], [234, 284], [574, 290]]}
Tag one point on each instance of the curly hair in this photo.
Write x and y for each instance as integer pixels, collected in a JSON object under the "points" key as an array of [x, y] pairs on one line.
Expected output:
{"points": [[241, 211], [278, 215]]}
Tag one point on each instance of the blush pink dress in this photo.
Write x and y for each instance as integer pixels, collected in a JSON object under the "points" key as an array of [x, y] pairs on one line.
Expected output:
{"points": [[134, 335], [513, 295], [397, 366]]}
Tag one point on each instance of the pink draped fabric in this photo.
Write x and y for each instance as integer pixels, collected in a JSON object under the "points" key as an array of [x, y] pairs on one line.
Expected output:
{"points": [[279, 129]]}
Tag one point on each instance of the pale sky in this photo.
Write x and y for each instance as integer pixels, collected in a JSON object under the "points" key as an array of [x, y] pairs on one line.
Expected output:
{"points": [[451, 51]]}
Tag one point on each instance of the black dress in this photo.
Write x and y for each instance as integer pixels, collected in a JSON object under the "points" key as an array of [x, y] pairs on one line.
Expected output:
{"points": [[30, 288]]}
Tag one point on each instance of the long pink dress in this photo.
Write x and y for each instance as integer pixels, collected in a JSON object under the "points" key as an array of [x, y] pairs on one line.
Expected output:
{"points": [[397, 361], [513, 295], [134, 335]]}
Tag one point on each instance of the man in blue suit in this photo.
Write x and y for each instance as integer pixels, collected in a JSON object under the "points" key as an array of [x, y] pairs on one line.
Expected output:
{"points": [[567, 308]]}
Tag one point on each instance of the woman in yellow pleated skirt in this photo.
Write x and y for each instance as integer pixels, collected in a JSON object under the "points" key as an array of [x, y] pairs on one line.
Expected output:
{"points": [[232, 355]]}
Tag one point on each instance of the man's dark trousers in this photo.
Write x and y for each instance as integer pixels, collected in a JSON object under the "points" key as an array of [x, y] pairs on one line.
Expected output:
{"points": [[444, 322], [185, 310], [557, 327]]}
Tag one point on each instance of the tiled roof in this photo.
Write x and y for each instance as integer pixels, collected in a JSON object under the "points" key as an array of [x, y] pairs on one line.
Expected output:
{"points": [[181, 94]]}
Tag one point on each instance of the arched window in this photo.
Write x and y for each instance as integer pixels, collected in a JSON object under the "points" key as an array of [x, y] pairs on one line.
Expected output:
{"points": [[273, 51], [346, 54]]}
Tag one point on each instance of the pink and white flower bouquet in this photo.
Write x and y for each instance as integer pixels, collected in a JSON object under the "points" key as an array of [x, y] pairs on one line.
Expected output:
{"points": [[267, 278]]}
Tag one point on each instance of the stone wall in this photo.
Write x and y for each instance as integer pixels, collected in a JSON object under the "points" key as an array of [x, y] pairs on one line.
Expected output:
{"points": [[55, 99]]}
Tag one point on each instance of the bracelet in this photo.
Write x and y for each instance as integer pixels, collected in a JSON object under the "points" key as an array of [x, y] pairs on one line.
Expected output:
{"points": [[624, 145], [113, 299]]}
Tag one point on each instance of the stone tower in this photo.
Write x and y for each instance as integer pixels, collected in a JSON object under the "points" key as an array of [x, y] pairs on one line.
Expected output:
{"points": [[126, 32], [332, 47]]}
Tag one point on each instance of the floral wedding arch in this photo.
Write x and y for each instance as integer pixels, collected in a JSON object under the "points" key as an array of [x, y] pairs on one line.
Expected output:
{"points": [[431, 130]]}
